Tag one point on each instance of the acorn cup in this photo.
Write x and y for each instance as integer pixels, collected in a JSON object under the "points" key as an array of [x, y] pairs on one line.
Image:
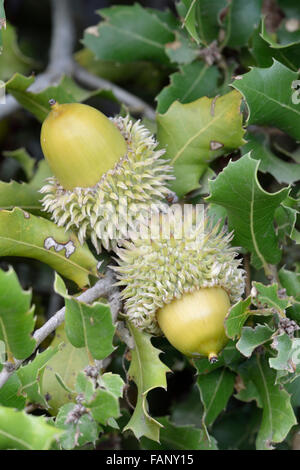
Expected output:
{"points": [[106, 173], [182, 287]]}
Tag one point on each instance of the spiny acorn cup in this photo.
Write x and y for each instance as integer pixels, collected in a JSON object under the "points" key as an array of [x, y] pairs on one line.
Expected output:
{"points": [[107, 173], [182, 286]]}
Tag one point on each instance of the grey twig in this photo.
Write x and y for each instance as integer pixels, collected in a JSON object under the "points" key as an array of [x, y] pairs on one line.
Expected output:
{"points": [[61, 62], [132, 101], [103, 288]]}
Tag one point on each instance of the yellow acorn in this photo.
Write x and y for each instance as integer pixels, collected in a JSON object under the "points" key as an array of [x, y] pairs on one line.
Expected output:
{"points": [[80, 144], [181, 285], [194, 324], [104, 169]]}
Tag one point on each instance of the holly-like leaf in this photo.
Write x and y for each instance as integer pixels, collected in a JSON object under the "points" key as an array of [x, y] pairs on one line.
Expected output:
{"points": [[290, 280], [242, 18], [236, 318], [250, 209], [23, 234], [196, 133], [148, 372], [269, 96], [25, 195], [104, 405], [201, 18], [190, 83], [87, 326], [16, 316], [31, 376], [77, 434], [286, 218], [9, 395], [174, 437], [19, 430], [283, 172], [215, 390], [11, 60], [63, 368], [278, 416], [288, 357], [268, 296], [67, 91], [182, 50], [129, 33], [253, 337]]}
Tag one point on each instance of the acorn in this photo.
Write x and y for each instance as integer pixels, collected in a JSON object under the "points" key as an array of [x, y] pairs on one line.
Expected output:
{"points": [[107, 172], [182, 287]]}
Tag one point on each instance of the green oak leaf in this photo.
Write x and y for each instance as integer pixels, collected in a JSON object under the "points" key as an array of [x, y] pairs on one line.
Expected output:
{"points": [[278, 416], [16, 316], [268, 296], [19, 430], [290, 280], [287, 52], [182, 50], [26, 235], [129, 33], [201, 18], [175, 437], [31, 376], [9, 395], [76, 434], [269, 96], [104, 404], [286, 218], [196, 133], [12, 60], [241, 19], [62, 370], [25, 195], [237, 189], [283, 172], [87, 326], [236, 318], [148, 372], [190, 83], [67, 91], [215, 390], [288, 357], [24, 159], [253, 337]]}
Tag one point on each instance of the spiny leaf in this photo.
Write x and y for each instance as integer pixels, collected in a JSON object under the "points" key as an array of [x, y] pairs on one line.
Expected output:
{"points": [[77, 434], [9, 395], [16, 316], [241, 19], [67, 362], [104, 404], [129, 33], [31, 376], [23, 234], [288, 357], [250, 209], [88, 326], [190, 83], [148, 372], [19, 430], [268, 93], [194, 134], [278, 416], [253, 337], [11, 60], [268, 296], [215, 390], [236, 318]]}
